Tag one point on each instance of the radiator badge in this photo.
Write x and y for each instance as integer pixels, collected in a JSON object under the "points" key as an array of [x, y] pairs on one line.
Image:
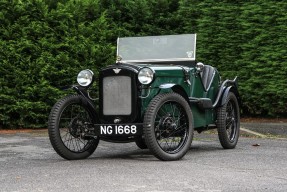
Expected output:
{"points": [[117, 70]]}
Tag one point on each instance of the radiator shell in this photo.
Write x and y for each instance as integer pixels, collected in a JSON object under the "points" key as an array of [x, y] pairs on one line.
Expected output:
{"points": [[119, 94]]}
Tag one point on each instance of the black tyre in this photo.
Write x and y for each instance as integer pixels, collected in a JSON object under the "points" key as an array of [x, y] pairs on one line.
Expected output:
{"points": [[67, 125], [228, 122], [141, 143], [168, 126]]}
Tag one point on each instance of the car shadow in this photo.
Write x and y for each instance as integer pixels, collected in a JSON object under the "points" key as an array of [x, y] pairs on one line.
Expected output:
{"points": [[146, 155]]}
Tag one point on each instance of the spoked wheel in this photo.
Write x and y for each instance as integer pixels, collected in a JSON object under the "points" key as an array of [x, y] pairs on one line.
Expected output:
{"points": [[69, 124], [228, 122], [168, 126]]}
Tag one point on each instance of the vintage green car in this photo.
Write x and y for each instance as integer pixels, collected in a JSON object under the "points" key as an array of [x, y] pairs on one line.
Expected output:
{"points": [[156, 95]]}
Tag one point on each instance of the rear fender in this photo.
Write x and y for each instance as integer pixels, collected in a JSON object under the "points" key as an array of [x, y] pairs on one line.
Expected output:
{"points": [[226, 87], [232, 89]]}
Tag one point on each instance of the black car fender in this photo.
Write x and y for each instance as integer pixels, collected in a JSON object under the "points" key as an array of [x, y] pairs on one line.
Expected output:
{"points": [[87, 101], [224, 96], [226, 87], [233, 89]]}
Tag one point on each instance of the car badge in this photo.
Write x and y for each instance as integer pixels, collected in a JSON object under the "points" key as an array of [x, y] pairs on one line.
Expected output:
{"points": [[117, 70]]}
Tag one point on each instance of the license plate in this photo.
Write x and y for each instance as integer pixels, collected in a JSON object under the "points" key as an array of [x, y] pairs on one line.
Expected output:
{"points": [[118, 129]]}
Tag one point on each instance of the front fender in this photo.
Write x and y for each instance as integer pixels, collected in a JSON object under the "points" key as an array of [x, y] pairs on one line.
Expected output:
{"points": [[171, 87], [86, 101], [81, 91], [166, 88], [166, 85]]}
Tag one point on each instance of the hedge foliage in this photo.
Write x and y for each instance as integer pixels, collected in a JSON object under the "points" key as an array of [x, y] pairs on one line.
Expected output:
{"points": [[45, 43]]}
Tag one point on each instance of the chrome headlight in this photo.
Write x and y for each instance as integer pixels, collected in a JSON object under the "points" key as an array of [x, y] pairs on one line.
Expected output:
{"points": [[145, 75], [85, 77]]}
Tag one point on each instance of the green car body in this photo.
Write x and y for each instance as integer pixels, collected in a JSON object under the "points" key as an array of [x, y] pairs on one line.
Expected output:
{"points": [[156, 95], [174, 79]]}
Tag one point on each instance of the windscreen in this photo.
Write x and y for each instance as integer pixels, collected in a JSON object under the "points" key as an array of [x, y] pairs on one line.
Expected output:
{"points": [[157, 48]]}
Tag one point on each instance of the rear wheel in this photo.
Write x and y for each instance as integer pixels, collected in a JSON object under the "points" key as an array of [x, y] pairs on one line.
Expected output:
{"points": [[68, 125], [168, 126], [228, 122]]}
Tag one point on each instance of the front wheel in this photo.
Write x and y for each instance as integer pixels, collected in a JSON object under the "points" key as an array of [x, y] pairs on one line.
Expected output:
{"points": [[168, 126], [228, 122], [68, 124], [141, 143]]}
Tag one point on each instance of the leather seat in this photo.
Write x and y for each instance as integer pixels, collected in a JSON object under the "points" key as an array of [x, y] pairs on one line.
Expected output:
{"points": [[207, 76]]}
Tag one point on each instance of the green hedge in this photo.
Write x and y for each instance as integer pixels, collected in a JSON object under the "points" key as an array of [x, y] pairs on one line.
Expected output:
{"points": [[42, 50], [44, 44]]}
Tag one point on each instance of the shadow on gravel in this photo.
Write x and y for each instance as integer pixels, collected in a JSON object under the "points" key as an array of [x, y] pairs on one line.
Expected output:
{"points": [[131, 152]]}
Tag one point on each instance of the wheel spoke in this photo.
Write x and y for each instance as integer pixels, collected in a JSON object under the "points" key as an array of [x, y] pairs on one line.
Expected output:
{"points": [[176, 131], [171, 126], [230, 121], [228, 124], [73, 119]]}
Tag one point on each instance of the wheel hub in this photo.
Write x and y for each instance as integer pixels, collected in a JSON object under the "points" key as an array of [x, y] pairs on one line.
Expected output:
{"points": [[167, 124], [75, 127]]}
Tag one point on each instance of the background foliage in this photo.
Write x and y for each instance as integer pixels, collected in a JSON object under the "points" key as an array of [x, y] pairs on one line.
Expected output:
{"points": [[45, 43]]}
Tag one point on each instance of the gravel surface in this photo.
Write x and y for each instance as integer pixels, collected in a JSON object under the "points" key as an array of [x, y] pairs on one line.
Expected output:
{"points": [[278, 129], [28, 163]]}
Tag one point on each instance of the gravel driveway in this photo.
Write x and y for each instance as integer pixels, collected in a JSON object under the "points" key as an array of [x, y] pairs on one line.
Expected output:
{"points": [[28, 163]]}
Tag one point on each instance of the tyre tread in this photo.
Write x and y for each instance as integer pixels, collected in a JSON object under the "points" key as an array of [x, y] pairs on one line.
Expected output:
{"points": [[149, 133], [53, 132], [221, 129]]}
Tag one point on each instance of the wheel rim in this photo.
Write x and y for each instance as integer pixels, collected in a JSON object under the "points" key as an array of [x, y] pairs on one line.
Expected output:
{"points": [[73, 124], [171, 127], [231, 121]]}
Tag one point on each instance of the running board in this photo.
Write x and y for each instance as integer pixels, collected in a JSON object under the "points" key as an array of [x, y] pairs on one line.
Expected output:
{"points": [[203, 103]]}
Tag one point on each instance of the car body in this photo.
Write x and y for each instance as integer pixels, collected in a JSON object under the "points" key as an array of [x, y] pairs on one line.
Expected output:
{"points": [[156, 95]]}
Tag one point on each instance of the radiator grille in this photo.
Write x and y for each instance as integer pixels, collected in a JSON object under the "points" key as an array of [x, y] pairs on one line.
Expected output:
{"points": [[117, 95]]}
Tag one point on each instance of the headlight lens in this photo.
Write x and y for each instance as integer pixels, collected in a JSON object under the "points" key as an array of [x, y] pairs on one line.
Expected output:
{"points": [[85, 77], [145, 76]]}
